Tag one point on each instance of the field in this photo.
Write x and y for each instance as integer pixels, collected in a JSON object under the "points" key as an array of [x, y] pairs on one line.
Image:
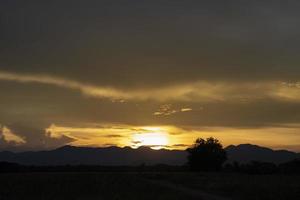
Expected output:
{"points": [[149, 186]]}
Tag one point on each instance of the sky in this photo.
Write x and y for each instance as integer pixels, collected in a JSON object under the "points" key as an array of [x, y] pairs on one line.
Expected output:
{"points": [[149, 72]]}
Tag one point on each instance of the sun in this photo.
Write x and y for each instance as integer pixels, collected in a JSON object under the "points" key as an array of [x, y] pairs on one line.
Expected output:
{"points": [[156, 139]]}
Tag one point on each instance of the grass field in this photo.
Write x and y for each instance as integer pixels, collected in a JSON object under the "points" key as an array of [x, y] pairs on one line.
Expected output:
{"points": [[237, 186], [152, 186]]}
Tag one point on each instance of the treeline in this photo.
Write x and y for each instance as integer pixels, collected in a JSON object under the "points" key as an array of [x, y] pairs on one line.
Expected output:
{"points": [[209, 155], [256, 167], [7, 167]]}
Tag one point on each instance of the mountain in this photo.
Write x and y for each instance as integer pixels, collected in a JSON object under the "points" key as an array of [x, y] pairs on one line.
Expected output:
{"points": [[114, 156], [108, 156], [247, 152]]}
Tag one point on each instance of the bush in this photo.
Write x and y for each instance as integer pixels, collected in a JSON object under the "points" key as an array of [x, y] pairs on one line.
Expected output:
{"points": [[206, 155]]}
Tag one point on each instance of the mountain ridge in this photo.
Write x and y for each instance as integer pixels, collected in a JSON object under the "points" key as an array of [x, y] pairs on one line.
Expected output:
{"points": [[248, 152], [117, 156]]}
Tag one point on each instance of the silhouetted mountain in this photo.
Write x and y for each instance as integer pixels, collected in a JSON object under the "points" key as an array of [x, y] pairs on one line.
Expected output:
{"points": [[109, 156], [247, 152], [116, 156]]}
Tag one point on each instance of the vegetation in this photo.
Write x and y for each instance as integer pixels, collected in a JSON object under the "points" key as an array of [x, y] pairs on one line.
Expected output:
{"points": [[146, 186], [82, 186], [237, 185], [256, 167], [206, 155]]}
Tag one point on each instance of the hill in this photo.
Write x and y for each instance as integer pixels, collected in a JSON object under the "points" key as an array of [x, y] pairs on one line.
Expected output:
{"points": [[247, 152], [108, 156], [116, 156]]}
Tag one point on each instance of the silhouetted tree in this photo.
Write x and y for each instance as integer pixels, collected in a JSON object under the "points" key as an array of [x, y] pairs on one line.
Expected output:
{"points": [[206, 155]]}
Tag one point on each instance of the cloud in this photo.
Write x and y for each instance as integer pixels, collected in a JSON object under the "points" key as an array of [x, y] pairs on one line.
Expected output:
{"points": [[9, 137], [113, 136], [25, 137], [197, 91], [167, 109], [92, 135], [186, 109], [86, 89], [179, 145]]}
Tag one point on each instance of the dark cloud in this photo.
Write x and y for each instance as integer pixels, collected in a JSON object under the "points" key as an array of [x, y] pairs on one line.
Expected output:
{"points": [[136, 142], [110, 145], [255, 114], [147, 45], [125, 43], [180, 145], [113, 136], [35, 138]]}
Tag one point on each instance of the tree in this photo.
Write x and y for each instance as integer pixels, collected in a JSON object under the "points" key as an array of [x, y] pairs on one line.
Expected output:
{"points": [[206, 155]]}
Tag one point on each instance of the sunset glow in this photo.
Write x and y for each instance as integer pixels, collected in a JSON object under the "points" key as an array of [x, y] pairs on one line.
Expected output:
{"points": [[156, 140], [172, 137]]}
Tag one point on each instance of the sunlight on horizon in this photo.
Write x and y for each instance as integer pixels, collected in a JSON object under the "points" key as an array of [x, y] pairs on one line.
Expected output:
{"points": [[172, 137], [156, 139]]}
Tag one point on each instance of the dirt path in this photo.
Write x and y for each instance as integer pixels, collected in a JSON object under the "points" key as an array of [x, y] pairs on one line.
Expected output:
{"points": [[191, 192]]}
